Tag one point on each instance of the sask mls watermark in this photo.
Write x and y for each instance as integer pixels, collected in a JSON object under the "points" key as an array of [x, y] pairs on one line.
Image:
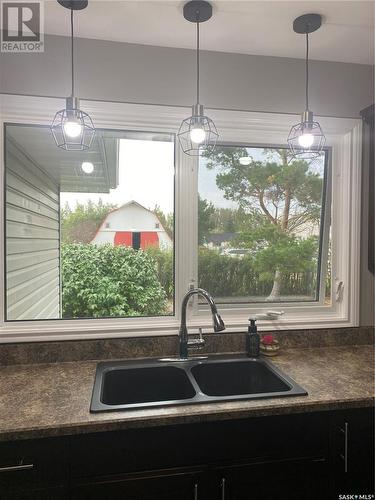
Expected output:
{"points": [[22, 24]]}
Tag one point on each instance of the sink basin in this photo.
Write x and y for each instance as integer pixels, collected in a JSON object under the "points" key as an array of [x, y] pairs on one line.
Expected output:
{"points": [[129, 385], [137, 386], [234, 378]]}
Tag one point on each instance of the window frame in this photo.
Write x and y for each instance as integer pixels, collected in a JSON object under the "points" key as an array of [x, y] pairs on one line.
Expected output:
{"points": [[344, 139], [110, 130], [324, 230]]}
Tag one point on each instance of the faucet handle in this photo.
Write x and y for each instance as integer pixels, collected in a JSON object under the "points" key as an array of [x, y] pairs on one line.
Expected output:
{"points": [[197, 343]]}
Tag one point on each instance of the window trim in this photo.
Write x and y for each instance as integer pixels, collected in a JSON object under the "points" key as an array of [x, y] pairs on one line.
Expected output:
{"points": [[345, 148], [323, 236], [344, 138]]}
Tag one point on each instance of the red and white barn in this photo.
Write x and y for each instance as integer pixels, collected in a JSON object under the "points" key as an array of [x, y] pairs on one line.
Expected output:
{"points": [[134, 226]]}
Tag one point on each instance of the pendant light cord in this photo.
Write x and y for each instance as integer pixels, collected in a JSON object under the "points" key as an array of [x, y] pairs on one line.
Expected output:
{"points": [[307, 71], [198, 61], [72, 47]]}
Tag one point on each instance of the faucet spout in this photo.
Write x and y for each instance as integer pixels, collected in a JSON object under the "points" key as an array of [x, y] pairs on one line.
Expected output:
{"points": [[218, 323]]}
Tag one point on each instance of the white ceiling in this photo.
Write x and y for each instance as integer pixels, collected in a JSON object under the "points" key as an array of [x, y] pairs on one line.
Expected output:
{"points": [[248, 27]]}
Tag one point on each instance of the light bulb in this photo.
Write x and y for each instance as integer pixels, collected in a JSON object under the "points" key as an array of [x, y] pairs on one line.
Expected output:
{"points": [[245, 160], [306, 140], [87, 167], [197, 135], [72, 128]]}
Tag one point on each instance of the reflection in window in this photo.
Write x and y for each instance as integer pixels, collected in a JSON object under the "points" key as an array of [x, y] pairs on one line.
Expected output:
{"points": [[261, 225], [89, 245]]}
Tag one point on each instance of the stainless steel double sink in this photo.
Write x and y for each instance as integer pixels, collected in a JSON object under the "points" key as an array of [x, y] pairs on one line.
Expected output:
{"points": [[123, 385]]}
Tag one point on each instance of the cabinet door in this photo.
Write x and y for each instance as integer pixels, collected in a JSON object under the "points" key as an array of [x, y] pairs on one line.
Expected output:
{"points": [[156, 486], [264, 438], [294, 480], [353, 452], [42, 494], [32, 469]]}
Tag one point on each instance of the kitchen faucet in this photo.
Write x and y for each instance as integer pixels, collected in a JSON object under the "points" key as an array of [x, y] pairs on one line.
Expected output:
{"points": [[218, 323]]}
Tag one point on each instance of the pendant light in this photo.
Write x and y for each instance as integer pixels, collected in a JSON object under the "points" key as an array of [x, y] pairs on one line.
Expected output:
{"points": [[306, 139], [72, 129], [198, 132]]}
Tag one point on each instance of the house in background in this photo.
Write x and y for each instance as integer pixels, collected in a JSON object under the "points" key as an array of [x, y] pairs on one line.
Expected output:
{"points": [[219, 241], [134, 226]]}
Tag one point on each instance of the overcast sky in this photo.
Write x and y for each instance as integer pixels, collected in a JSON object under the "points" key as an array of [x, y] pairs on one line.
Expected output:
{"points": [[146, 175]]}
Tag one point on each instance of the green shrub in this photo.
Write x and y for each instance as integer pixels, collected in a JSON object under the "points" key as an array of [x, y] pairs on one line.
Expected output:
{"points": [[109, 281], [117, 281], [226, 276], [164, 268]]}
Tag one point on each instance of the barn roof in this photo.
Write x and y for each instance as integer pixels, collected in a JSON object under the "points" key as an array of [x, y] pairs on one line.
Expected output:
{"points": [[131, 202]]}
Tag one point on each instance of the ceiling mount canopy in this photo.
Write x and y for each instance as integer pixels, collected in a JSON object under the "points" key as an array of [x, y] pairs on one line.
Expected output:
{"points": [[308, 23], [72, 129], [197, 133], [197, 11], [74, 4], [306, 139]]}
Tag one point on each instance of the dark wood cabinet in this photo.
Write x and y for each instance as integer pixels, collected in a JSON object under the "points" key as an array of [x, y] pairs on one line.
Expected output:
{"points": [[18, 493], [174, 484], [305, 457], [292, 479], [368, 183], [352, 452], [191, 445], [33, 470]]}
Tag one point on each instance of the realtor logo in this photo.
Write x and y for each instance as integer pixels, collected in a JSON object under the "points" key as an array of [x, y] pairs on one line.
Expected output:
{"points": [[21, 24]]}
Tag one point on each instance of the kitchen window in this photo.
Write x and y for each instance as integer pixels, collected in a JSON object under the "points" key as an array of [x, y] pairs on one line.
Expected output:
{"points": [[263, 226], [253, 251], [88, 244]]}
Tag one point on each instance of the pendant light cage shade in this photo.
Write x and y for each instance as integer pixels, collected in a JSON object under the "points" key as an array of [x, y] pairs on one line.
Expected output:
{"points": [[68, 120], [306, 140], [197, 134], [71, 128], [205, 127]]}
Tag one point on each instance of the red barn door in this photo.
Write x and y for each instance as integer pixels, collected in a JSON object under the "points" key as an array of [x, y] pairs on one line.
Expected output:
{"points": [[123, 238], [149, 239]]}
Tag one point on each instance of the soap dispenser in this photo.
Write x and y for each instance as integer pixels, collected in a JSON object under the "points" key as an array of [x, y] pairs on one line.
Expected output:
{"points": [[252, 340]]}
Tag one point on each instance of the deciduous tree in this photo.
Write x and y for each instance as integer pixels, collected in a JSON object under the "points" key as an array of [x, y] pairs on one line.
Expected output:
{"points": [[78, 225]]}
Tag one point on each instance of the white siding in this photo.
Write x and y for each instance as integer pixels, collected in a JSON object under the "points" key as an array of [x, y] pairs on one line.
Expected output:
{"points": [[32, 239], [165, 241], [104, 237]]}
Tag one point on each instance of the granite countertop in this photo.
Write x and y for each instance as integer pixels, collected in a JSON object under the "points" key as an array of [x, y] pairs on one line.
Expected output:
{"points": [[52, 399]]}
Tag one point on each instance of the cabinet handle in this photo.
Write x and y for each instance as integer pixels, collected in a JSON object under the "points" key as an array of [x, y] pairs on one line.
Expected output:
{"points": [[196, 491], [223, 488], [13, 468], [345, 431]]}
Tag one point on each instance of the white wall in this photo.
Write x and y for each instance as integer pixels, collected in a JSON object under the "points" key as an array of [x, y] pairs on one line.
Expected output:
{"points": [[32, 240], [159, 75]]}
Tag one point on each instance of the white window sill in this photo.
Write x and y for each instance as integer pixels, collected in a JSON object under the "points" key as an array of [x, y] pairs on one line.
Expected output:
{"points": [[105, 329]]}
